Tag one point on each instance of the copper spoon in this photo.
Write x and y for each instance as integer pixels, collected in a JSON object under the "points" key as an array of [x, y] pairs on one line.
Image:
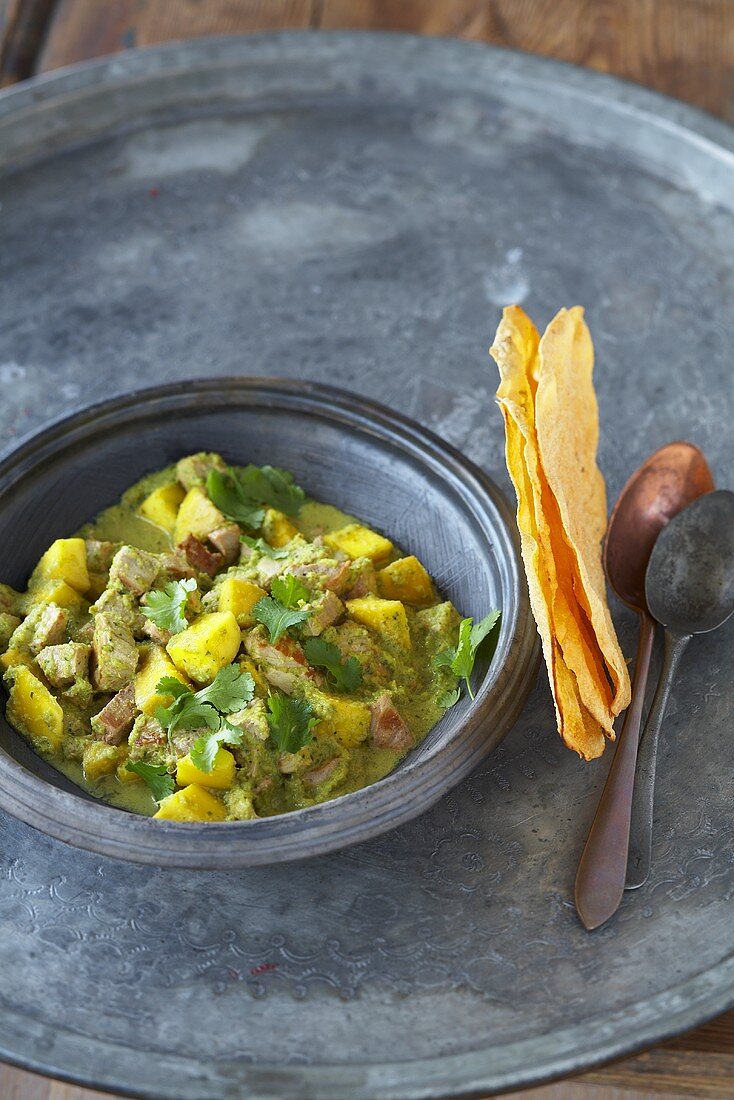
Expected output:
{"points": [[665, 483]]}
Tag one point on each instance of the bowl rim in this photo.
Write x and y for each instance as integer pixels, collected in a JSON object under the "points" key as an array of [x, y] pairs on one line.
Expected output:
{"points": [[351, 818]]}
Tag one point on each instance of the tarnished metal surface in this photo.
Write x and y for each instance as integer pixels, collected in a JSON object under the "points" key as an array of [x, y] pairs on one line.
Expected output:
{"points": [[357, 209]]}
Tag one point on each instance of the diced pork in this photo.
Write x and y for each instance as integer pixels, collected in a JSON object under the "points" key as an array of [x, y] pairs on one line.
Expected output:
{"points": [[115, 720], [252, 719], [84, 633], [99, 555], [325, 611], [226, 541], [156, 633], [8, 623], [267, 568], [114, 654], [175, 566], [121, 607], [50, 628], [354, 640], [147, 731], [387, 728], [63, 664], [363, 579], [203, 560], [332, 575], [194, 469], [324, 771], [134, 570], [283, 663]]}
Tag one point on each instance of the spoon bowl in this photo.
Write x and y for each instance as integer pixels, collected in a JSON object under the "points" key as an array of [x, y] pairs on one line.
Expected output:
{"points": [[664, 484], [689, 585]]}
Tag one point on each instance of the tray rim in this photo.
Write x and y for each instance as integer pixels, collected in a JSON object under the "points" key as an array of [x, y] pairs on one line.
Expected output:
{"points": [[711, 991]]}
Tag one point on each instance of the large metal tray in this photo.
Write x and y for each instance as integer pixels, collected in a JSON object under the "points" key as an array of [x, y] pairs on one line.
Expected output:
{"points": [[356, 209]]}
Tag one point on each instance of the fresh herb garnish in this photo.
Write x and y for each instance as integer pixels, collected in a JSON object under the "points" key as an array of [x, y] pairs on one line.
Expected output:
{"points": [[291, 722], [276, 617], [228, 692], [230, 497], [449, 698], [289, 591], [471, 635], [166, 607], [273, 486], [264, 548], [155, 775], [347, 675]]}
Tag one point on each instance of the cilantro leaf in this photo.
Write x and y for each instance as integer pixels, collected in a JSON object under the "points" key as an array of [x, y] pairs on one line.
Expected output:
{"points": [[226, 491], [471, 636], [155, 775], [264, 547], [204, 750], [229, 691], [291, 722], [347, 674], [449, 698], [276, 617], [166, 607], [289, 591], [273, 486]]}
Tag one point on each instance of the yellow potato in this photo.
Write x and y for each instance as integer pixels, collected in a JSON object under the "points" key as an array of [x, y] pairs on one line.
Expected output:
{"points": [[358, 541], [161, 506], [210, 643], [277, 528], [196, 516], [385, 617], [154, 665], [193, 803], [347, 719], [34, 711], [240, 596], [219, 778], [407, 580], [65, 560]]}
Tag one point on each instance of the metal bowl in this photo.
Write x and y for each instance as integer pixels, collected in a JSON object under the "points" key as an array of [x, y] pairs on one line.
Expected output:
{"points": [[355, 454]]}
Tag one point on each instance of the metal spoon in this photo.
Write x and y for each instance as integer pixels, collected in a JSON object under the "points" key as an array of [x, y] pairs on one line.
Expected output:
{"points": [[690, 590], [665, 483]]}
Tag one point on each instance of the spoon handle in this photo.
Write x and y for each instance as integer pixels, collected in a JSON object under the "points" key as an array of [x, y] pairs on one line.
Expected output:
{"points": [[601, 870], [640, 845]]}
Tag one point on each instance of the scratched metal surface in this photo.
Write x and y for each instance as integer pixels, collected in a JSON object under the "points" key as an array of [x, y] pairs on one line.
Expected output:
{"points": [[356, 209]]}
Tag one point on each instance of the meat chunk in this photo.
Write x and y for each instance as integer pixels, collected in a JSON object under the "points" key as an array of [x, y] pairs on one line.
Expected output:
{"points": [[203, 560], [8, 624], [330, 574], [268, 568], [50, 628], [99, 555], [63, 664], [387, 728], [115, 720], [147, 732], [156, 633], [10, 600], [324, 771], [114, 654], [175, 567], [226, 541], [363, 579], [354, 640], [327, 610], [283, 663], [252, 719], [134, 570], [121, 607], [194, 469]]}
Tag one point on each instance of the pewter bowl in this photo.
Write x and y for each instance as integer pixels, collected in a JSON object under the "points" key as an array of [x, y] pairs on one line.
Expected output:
{"points": [[367, 460]]}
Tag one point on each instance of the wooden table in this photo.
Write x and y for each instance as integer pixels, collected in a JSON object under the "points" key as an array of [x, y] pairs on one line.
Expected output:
{"points": [[684, 48]]}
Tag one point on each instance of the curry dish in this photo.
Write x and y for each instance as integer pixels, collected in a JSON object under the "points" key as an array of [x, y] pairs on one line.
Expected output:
{"points": [[219, 647]]}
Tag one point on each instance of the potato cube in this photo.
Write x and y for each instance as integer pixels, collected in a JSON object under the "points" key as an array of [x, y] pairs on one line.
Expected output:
{"points": [[405, 580], [239, 597], [385, 617], [193, 803], [100, 759], [359, 542], [219, 778], [12, 657], [155, 665], [58, 592], [277, 528], [347, 719], [196, 516], [125, 775], [65, 560], [161, 506], [210, 643], [34, 711]]}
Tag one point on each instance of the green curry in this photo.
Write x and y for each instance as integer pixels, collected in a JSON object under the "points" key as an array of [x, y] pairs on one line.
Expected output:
{"points": [[218, 647]]}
